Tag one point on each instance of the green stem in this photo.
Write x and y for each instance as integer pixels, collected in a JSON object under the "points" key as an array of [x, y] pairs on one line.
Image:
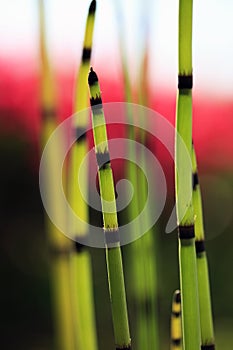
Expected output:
{"points": [[107, 193], [187, 258], [61, 249], [59, 245], [207, 329], [148, 241], [62, 294], [83, 299], [118, 299], [140, 255]]}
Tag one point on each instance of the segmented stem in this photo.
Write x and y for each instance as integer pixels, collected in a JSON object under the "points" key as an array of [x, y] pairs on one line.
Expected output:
{"points": [[81, 261], [187, 259], [206, 319], [107, 193]]}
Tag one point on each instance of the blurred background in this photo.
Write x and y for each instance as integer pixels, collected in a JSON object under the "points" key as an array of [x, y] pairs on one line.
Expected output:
{"points": [[25, 297]]}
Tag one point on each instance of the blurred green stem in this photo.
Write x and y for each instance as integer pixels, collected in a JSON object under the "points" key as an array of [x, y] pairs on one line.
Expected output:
{"points": [[187, 256]]}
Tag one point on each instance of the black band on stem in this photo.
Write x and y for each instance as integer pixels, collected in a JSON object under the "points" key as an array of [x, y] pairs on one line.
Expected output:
{"points": [[79, 247], [96, 102], [186, 232], [185, 82], [200, 246], [128, 347], [208, 347], [176, 342], [176, 313], [103, 159], [112, 237], [86, 56], [195, 180], [80, 133]]}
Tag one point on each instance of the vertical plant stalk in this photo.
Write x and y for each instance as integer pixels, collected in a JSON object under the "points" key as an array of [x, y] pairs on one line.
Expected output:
{"points": [[83, 298], [187, 256], [148, 240], [60, 246], [206, 319], [176, 328], [112, 239], [134, 266], [140, 254]]}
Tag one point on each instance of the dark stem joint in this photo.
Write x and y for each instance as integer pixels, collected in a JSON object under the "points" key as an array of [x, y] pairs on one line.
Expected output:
{"points": [[185, 82], [111, 238], [96, 104], [86, 56], [208, 347], [176, 341], [80, 134], [103, 160], [186, 232], [79, 247], [127, 347], [176, 314], [200, 246], [195, 180]]}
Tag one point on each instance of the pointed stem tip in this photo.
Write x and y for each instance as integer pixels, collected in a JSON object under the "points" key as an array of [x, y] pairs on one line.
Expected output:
{"points": [[92, 7], [92, 77]]}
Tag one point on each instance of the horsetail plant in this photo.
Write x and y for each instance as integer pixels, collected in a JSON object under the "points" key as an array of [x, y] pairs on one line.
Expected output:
{"points": [[176, 328], [148, 241], [60, 246], [135, 266], [110, 220], [206, 319], [140, 271], [81, 260], [80, 124], [187, 258]]}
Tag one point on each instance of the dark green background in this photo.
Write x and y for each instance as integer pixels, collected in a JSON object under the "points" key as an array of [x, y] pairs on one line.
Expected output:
{"points": [[26, 320]]}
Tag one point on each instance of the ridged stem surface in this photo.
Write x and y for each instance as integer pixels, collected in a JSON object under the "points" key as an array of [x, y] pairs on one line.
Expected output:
{"points": [[110, 220], [206, 318], [83, 298], [187, 255]]}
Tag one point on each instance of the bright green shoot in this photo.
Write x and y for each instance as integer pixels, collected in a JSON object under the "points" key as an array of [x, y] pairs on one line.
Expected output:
{"points": [[80, 123], [107, 193], [83, 300], [187, 256], [207, 329], [140, 254]]}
